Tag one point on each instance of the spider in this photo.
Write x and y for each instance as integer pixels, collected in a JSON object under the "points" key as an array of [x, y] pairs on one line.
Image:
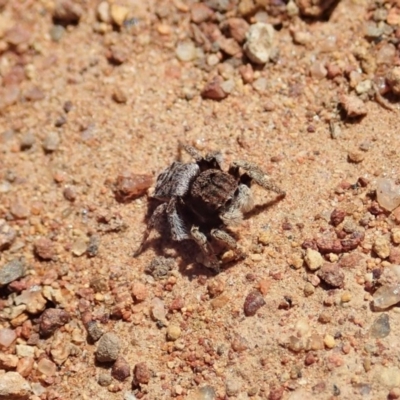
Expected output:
{"points": [[200, 200]]}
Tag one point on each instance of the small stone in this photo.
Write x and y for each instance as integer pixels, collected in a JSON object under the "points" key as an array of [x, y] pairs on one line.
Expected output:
{"points": [[7, 236], [94, 330], [186, 51], [309, 289], [19, 209], [7, 337], [200, 12], [141, 374], [247, 73], [70, 193], [108, 348], [117, 55], [52, 319], [103, 12], [104, 379], [329, 341], [355, 156], [57, 32], [213, 89], [386, 296], [345, 297], [232, 387], [67, 12], [313, 259], [393, 80], [387, 193], [237, 28], [215, 287], [14, 387], [318, 70], [158, 310], [325, 317], [11, 271], [129, 186], [203, 393], [253, 302], [353, 106], [139, 291], [79, 247], [173, 332], [33, 299], [332, 275], [259, 39], [44, 248], [381, 247], [93, 246], [27, 141], [395, 392], [51, 142], [118, 14], [387, 376], [47, 367], [381, 327], [8, 361], [119, 96], [120, 369], [265, 238], [337, 217], [25, 366], [364, 87]]}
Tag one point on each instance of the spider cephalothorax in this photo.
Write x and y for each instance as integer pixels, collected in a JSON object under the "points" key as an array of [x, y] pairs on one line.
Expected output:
{"points": [[200, 199]]}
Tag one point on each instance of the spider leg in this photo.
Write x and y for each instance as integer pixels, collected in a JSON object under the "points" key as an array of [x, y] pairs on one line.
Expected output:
{"points": [[179, 229], [210, 259], [256, 174], [211, 160], [228, 240], [191, 151], [155, 217]]}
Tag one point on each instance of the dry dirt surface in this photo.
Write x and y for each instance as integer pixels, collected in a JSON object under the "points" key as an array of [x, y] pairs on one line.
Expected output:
{"points": [[95, 98]]}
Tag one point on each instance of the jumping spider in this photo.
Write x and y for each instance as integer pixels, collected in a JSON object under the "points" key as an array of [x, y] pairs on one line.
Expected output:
{"points": [[200, 199]]}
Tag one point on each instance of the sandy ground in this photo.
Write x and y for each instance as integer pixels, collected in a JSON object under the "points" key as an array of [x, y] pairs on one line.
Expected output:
{"points": [[72, 121]]}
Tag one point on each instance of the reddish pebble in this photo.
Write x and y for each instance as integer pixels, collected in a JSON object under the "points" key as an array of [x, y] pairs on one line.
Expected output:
{"points": [[139, 291], [44, 249], [213, 90], [51, 319], [332, 275], [177, 304], [120, 370], [200, 12], [276, 393], [130, 186], [253, 302], [337, 217], [141, 374]]}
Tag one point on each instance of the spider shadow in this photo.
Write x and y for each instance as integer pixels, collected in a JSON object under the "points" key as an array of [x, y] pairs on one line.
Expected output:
{"points": [[260, 208]]}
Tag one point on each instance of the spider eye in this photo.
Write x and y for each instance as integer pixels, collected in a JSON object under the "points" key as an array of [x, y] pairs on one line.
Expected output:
{"points": [[228, 202]]}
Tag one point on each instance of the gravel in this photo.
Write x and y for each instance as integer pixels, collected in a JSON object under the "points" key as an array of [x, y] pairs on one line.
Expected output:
{"points": [[108, 348], [120, 369], [14, 387], [12, 271], [259, 39], [253, 302], [52, 319]]}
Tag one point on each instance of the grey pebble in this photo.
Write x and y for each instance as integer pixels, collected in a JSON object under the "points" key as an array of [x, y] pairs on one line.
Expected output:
{"points": [[11, 271], [104, 379], [51, 141], [57, 32], [381, 327], [94, 331], [108, 348], [27, 141]]}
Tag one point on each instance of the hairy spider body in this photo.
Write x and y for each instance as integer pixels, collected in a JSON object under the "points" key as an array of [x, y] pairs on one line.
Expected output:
{"points": [[200, 199]]}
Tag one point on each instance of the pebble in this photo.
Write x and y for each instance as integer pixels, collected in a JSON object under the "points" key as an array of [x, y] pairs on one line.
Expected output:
{"points": [[33, 299], [253, 302], [51, 142], [93, 246], [119, 95], [129, 186], [387, 376], [117, 55], [332, 275], [104, 379], [237, 28], [27, 141], [79, 247], [215, 287], [258, 44], [69, 193], [329, 341], [309, 289], [313, 259], [213, 89], [25, 366], [203, 393], [380, 327], [56, 32], [387, 193], [356, 156], [396, 235], [8, 361], [186, 51], [108, 348], [386, 296], [7, 337], [120, 369], [353, 106], [103, 12], [67, 12], [232, 387], [14, 387], [11, 271], [139, 291], [118, 14], [141, 373], [393, 80], [381, 247], [52, 319], [158, 310], [173, 332], [337, 217], [200, 12], [47, 367], [44, 248]]}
